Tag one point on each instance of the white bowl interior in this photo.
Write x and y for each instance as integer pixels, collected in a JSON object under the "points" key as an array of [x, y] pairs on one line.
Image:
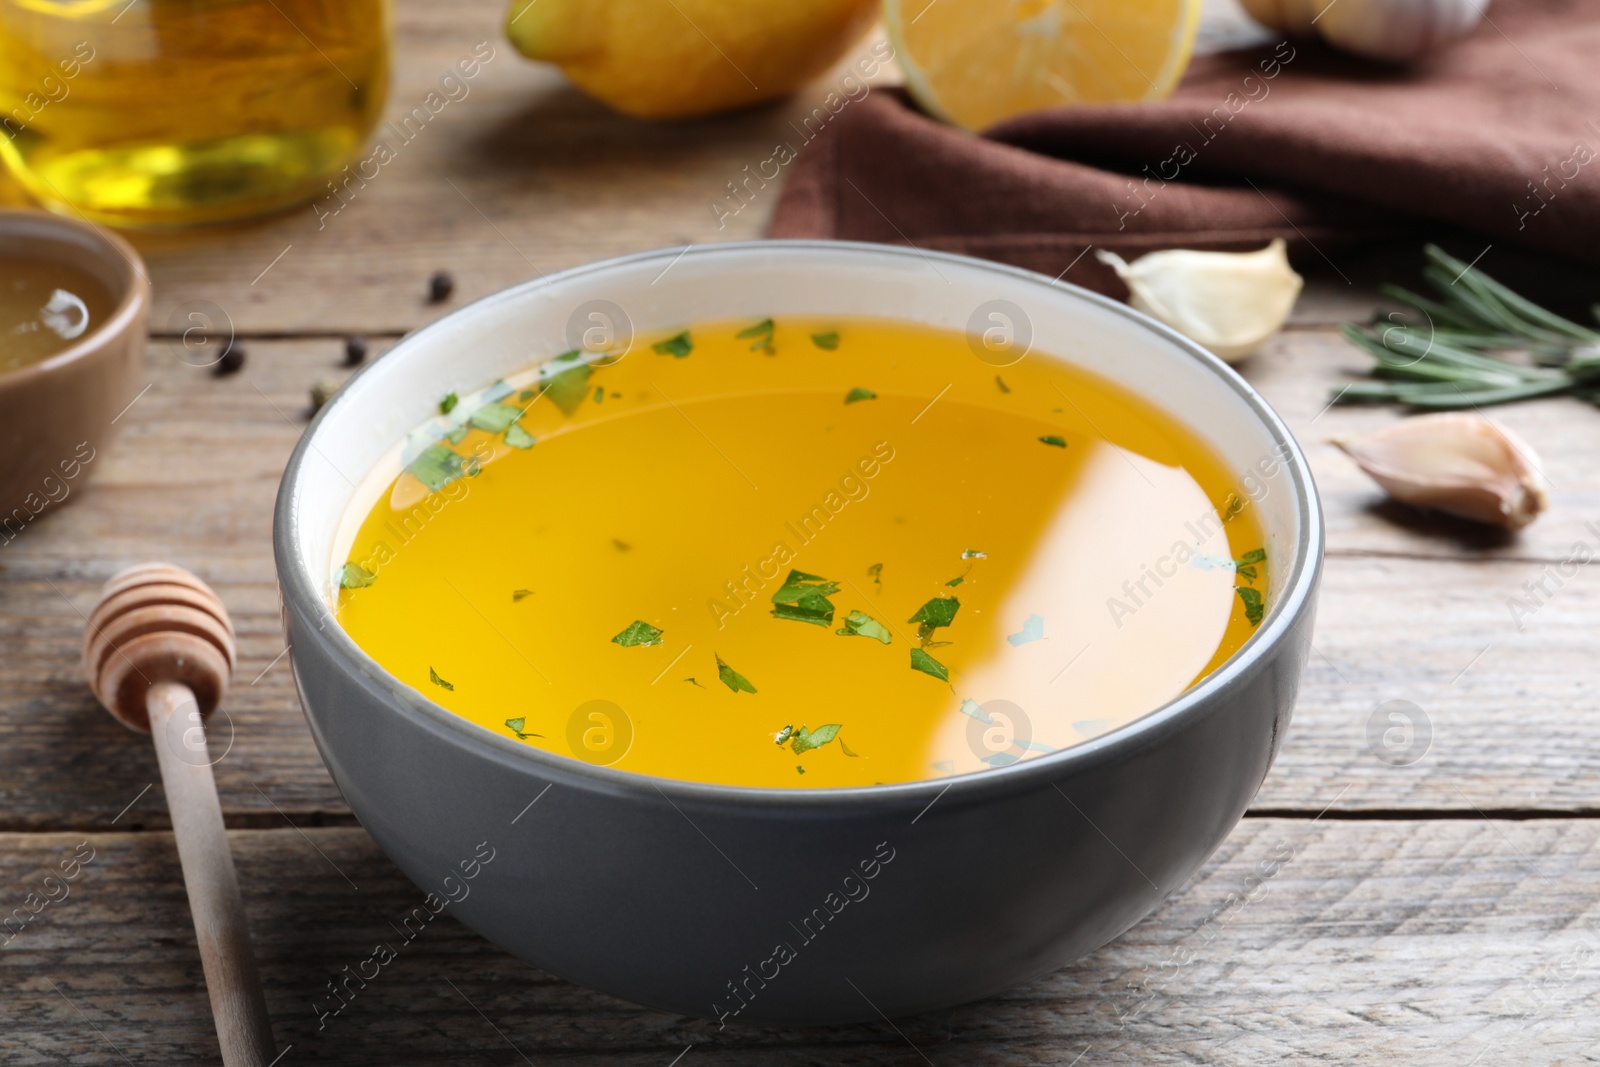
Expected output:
{"points": [[656, 291]]}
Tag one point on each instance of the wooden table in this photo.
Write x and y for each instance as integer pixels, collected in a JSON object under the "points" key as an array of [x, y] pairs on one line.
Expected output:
{"points": [[1438, 911]]}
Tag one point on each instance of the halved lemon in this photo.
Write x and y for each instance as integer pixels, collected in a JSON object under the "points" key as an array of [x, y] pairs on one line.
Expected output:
{"points": [[975, 62]]}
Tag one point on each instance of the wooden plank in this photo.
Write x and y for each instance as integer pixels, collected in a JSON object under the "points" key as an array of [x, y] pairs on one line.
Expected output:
{"points": [[524, 175], [191, 481], [1502, 717], [1300, 371], [1360, 942], [1507, 711], [1407, 607]]}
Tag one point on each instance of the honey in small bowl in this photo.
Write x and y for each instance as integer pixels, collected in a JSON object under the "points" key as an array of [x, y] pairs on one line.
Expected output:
{"points": [[45, 307]]}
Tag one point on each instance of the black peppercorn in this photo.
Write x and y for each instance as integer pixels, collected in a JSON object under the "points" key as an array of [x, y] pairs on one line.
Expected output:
{"points": [[355, 350], [440, 286], [231, 359]]}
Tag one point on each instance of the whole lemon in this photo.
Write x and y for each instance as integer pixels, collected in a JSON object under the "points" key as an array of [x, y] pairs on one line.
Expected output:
{"points": [[680, 58]]}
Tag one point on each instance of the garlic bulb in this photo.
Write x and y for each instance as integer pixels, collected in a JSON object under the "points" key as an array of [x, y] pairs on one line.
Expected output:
{"points": [[1297, 18], [1229, 302], [1397, 30], [1467, 465], [1394, 30]]}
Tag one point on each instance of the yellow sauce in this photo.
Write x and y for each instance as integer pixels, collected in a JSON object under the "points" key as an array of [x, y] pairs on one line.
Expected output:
{"points": [[1094, 545]]}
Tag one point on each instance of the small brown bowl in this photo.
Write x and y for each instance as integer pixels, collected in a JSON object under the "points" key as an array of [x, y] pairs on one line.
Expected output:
{"points": [[58, 415]]}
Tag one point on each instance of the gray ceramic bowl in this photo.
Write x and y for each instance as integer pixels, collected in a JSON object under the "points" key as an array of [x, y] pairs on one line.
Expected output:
{"points": [[756, 905]]}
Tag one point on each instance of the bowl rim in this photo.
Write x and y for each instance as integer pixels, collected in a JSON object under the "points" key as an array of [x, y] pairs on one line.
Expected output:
{"points": [[300, 591], [135, 297]]}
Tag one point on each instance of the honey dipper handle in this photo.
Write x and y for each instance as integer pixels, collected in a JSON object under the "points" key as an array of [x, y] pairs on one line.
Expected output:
{"points": [[237, 1004]]}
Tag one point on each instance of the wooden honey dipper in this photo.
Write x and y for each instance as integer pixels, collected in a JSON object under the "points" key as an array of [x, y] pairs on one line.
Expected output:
{"points": [[158, 652]]}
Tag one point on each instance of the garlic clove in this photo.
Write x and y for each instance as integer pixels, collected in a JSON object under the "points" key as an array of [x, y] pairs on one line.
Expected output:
{"points": [[1230, 302], [1464, 464]]}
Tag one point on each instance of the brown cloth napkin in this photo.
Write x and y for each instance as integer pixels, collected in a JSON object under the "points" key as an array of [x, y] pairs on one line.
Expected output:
{"points": [[1499, 133]]}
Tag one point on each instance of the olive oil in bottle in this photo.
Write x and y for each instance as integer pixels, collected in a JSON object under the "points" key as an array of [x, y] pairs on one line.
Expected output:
{"points": [[152, 113]]}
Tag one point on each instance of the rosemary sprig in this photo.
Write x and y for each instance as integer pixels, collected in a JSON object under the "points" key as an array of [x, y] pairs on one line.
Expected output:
{"points": [[1451, 359]]}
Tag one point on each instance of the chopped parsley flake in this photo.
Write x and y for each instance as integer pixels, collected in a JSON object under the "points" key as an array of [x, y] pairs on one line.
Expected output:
{"points": [[875, 572], [973, 553], [859, 394], [437, 466], [495, 418], [517, 437], [355, 576], [761, 333], [806, 740], [457, 435], [921, 661], [1001, 382], [783, 735], [1245, 567], [1254, 608], [448, 404], [804, 598], [676, 347], [816, 610], [520, 594], [799, 584], [433, 676], [940, 611], [565, 380], [1054, 441], [599, 394], [829, 340], [859, 623], [516, 725], [846, 750], [639, 633], [732, 678], [694, 683], [957, 580]]}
